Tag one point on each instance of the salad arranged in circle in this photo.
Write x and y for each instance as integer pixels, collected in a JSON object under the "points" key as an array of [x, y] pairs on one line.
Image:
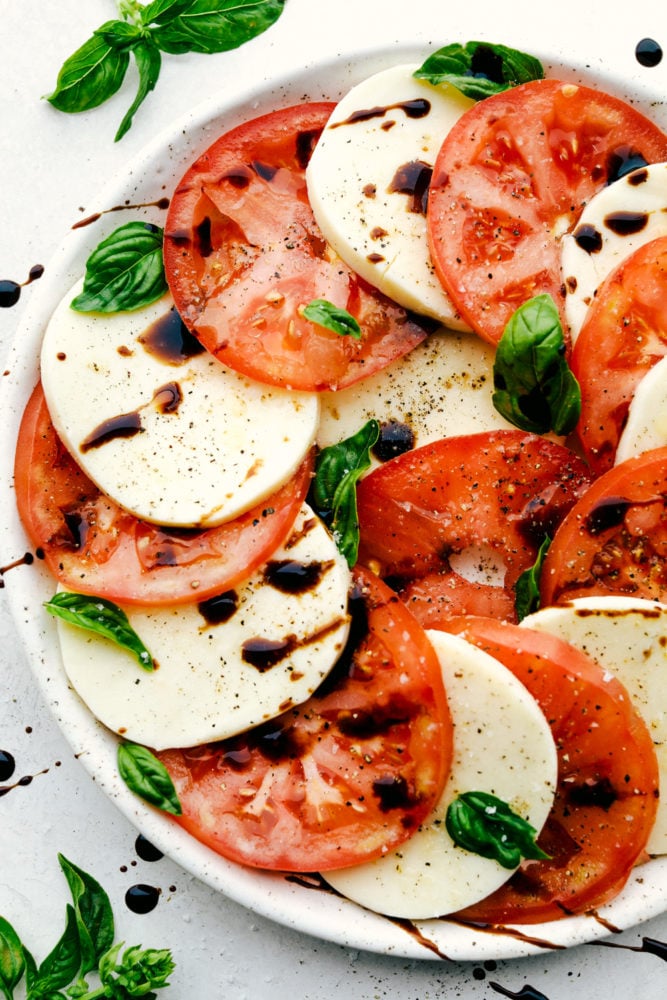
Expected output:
{"points": [[347, 475]]}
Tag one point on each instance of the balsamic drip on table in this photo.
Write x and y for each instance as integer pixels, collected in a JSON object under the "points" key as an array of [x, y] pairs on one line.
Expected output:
{"points": [[27, 559], [146, 850], [7, 765], [160, 203], [648, 52], [10, 291], [142, 898], [23, 782], [525, 993]]}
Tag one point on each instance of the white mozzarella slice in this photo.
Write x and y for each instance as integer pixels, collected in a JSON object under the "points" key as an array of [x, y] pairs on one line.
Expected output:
{"points": [[368, 179], [441, 388], [226, 665], [177, 440], [646, 425], [620, 218], [626, 636], [503, 746]]}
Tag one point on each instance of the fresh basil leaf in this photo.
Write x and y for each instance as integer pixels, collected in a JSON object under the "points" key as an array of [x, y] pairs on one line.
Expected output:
{"points": [[95, 920], [332, 317], [125, 272], [61, 964], [147, 777], [162, 11], [486, 825], [527, 587], [96, 614], [119, 34], [90, 76], [217, 25], [479, 69], [148, 60], [12, 960], [534, 387], [334, 488]]}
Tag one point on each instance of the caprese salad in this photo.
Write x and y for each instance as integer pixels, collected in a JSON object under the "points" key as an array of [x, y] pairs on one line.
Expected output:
{"points": [[353, 480]]}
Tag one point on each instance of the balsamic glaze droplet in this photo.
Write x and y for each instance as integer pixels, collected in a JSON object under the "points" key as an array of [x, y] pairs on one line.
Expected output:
{"points": [[7, 765], [395, 438], [142, 898], [146, 850], [648, 52]]}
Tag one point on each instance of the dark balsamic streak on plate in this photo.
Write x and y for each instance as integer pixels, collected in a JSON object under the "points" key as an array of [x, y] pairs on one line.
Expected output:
{"points": [[160, 203]]}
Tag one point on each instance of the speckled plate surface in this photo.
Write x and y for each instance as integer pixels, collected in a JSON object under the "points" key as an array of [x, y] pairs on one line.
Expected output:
{"points": [[141, 188]]}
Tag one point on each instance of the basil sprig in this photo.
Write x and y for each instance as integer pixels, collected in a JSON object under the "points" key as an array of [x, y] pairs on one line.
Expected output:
{"points": [[125, 271], [146, 776], [534, 387], [479, 69], [85, 947], [96, 71], [486, 825], [96, 614], [527, 587], [333, 493], [332, 317]]}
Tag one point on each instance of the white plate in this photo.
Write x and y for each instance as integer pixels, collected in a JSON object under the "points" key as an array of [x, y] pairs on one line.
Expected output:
{"points": [[295, 903]]}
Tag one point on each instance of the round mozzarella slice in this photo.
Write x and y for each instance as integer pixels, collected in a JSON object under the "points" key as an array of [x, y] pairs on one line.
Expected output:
{"points": [[627, 637], [618, 219], [160, 425], [368, 183], [441, 388], [503, 746], [225, 665], [646, 425]]}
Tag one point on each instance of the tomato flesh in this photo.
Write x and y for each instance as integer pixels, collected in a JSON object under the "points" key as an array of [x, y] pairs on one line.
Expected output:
{"points": [[511, 177], [614, 540], [243, 256], [501, 491], [623, 336], [344, 777], [607, 791], [93, 546]]}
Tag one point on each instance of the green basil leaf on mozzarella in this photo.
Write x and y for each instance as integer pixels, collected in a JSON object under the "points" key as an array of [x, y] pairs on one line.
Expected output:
{"points": [[534, 387], [104, 618], [479, 69], [331, 317], [125, 271], [486, 825], [334, 490], [147, 777]]}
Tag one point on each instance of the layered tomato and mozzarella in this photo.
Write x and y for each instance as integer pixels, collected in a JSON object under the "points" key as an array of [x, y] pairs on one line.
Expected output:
{"points": [[317, 716]]}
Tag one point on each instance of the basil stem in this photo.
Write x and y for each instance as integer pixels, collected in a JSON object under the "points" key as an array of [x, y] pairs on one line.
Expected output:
{"points": [[125, 271], [147, 777], [334, 489], [332, 317], [95, 614], [486, 825], [12, 960], [527, 587], [534, 386], [479, 69], [95, 922]]}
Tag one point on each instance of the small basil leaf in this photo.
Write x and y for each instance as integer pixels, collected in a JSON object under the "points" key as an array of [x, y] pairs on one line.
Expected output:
{"points": [[479, 69], [217, 25], [62, 963], [334, 489], [148, 60], [125, 272], [95, 614], [90, 76], [119, 34], [534, 387], [94, 914], [332, 317], [147, 777], [486, 825], [12, 960], [527, 587], [162, 11]]}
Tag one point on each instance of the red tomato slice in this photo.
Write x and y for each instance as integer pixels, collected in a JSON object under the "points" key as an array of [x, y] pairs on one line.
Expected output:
{"points": [[243, 256], [499, 490], [511, 177], [614, 540], [341, 779], [624, 334], [93, 546], [607, 792]]}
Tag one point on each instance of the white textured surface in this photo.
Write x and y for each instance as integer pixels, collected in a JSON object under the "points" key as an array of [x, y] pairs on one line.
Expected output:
{"points": [[51, 166]]}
